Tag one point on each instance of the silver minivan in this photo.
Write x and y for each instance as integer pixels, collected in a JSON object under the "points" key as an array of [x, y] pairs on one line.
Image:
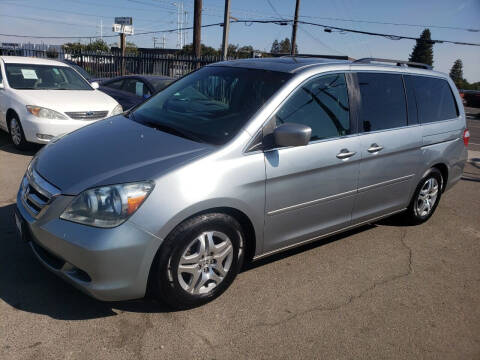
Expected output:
{"points": [[236, 161]]}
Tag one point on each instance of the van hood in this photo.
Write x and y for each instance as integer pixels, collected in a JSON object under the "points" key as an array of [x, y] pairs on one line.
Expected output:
{"points": [[68, 100], [113, 151]]}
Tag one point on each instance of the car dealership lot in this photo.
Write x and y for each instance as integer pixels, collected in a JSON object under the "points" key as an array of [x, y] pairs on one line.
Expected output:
{"points": [[382, 291]]}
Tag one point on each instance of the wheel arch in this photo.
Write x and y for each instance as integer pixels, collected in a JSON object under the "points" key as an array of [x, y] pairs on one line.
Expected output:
{"points": [[9, 115], [443, 168], [245, 222]]}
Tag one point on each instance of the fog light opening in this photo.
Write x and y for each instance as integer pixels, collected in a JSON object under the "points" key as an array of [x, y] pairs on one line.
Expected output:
{"points": [[45, 136]]}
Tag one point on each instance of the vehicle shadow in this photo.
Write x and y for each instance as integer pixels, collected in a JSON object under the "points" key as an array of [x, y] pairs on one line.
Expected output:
{"points": [[27, 286], [10, 148], [303, 248]]}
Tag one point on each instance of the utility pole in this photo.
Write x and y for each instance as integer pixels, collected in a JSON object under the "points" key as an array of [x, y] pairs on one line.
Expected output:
{"points": [[123, 45], [197, 26], [155, 42], [294, 30], [185, 24], [226, 29]]}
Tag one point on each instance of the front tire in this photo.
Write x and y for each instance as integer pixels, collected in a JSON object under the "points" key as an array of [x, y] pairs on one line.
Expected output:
{"points": [[426, 197], [198, 261], [16, 134]]}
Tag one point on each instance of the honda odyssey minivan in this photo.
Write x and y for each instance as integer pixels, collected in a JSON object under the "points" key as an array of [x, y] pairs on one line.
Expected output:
{"points": [[236, 161]]}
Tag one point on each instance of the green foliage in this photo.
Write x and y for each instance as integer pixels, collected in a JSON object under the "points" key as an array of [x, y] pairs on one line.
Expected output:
{"points": [[423, 49], [52, 53], [131, 48], [275, 49], [98, 45], [282, 47], [204, 50], [456, 73]]}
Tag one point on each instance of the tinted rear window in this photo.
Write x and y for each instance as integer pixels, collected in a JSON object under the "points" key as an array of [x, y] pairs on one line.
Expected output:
{"points": [[382, 101], [434, 97]]}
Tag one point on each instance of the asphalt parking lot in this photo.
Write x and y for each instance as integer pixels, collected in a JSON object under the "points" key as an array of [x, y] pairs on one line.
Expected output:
{"points": [[383, 291]]}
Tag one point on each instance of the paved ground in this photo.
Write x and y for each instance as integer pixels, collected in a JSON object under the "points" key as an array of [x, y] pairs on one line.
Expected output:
{"points": [[385, 291]]}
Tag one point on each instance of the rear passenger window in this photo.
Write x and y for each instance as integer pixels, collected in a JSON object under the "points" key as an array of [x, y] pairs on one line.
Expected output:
{"points": [[322, 104], [434, 97], [382, 101]]}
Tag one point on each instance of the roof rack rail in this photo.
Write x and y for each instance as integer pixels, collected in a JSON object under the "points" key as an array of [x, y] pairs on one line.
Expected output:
{"points": [[336, 57], [397, 62]]}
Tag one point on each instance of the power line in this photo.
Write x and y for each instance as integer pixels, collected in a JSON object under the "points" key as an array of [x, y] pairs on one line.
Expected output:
{"points": [[350, 20], [388, 36], [327, 28]]}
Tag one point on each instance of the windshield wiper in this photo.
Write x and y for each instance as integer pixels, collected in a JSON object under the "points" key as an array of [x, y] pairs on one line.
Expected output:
{"points": [[170, 130]]}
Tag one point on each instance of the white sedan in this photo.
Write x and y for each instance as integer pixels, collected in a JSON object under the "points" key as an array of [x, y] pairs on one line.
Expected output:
{"points": [[41, 99]]}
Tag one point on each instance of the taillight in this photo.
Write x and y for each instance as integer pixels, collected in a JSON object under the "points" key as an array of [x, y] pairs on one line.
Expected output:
{"points": [[466, 137]]}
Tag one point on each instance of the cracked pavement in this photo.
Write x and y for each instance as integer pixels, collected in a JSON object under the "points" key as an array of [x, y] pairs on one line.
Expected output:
{"points": [[383, 291]]}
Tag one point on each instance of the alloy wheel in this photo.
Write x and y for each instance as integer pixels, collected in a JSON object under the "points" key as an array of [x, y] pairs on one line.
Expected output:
{"points": [[427, 197], [205, 262], [15, 132]]}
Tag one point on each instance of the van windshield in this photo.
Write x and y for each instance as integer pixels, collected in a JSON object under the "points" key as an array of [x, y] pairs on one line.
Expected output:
{"points": [[44, 77], [212, 104]]}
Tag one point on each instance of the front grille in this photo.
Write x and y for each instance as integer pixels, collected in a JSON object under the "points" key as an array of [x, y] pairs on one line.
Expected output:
{"points": [[87, 115], [36, 193]]}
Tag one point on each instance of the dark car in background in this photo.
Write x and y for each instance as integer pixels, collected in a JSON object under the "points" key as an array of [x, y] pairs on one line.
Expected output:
{"points": [[79, 69], [471, 98], [131, 90]]}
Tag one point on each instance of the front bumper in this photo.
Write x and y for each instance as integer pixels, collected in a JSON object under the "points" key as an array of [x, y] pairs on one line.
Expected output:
{"points": [[108, 264], [33, 126]]}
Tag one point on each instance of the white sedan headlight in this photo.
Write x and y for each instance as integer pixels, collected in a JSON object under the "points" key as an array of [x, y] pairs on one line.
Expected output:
{"points": [[117, 110], [107, 206], [45, 113]]}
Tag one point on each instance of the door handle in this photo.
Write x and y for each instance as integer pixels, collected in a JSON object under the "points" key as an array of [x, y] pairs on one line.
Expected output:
{"points": [[374, 148], [345, 154]]}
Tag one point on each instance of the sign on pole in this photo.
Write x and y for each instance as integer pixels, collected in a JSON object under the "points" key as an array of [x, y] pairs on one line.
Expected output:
{"points": [[123, 25], [123, 20]]}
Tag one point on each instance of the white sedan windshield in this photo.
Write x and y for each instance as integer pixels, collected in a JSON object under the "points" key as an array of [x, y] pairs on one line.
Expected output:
{"points": [[44, 77]]}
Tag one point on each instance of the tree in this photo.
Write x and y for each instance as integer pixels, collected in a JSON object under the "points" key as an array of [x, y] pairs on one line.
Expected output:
{"points": [[204, 50], [456, 73], [95, 46], [245, 52], [275, 47], [282, 47], [131, 48], [52, 53], [285, 46], [423, 49]]}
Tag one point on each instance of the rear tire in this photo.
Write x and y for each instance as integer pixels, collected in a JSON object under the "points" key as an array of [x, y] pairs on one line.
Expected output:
{"points": [[198, 261], [426, 198], [16, 134]]}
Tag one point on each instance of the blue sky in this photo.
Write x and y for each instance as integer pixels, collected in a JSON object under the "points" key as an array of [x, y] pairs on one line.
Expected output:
{"points": [[83, 18]]}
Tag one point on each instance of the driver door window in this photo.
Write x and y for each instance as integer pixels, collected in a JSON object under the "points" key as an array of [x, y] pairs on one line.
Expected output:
{"points": [[322, 104]]}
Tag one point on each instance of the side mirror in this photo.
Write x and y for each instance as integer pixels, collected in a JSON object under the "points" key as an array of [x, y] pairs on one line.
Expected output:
{"points": [[292, 134], [95, 85]]}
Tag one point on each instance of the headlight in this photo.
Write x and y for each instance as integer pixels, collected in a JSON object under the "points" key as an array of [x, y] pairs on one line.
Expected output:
{"points": [[117, 110], [107, 206], [45, 113]]}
